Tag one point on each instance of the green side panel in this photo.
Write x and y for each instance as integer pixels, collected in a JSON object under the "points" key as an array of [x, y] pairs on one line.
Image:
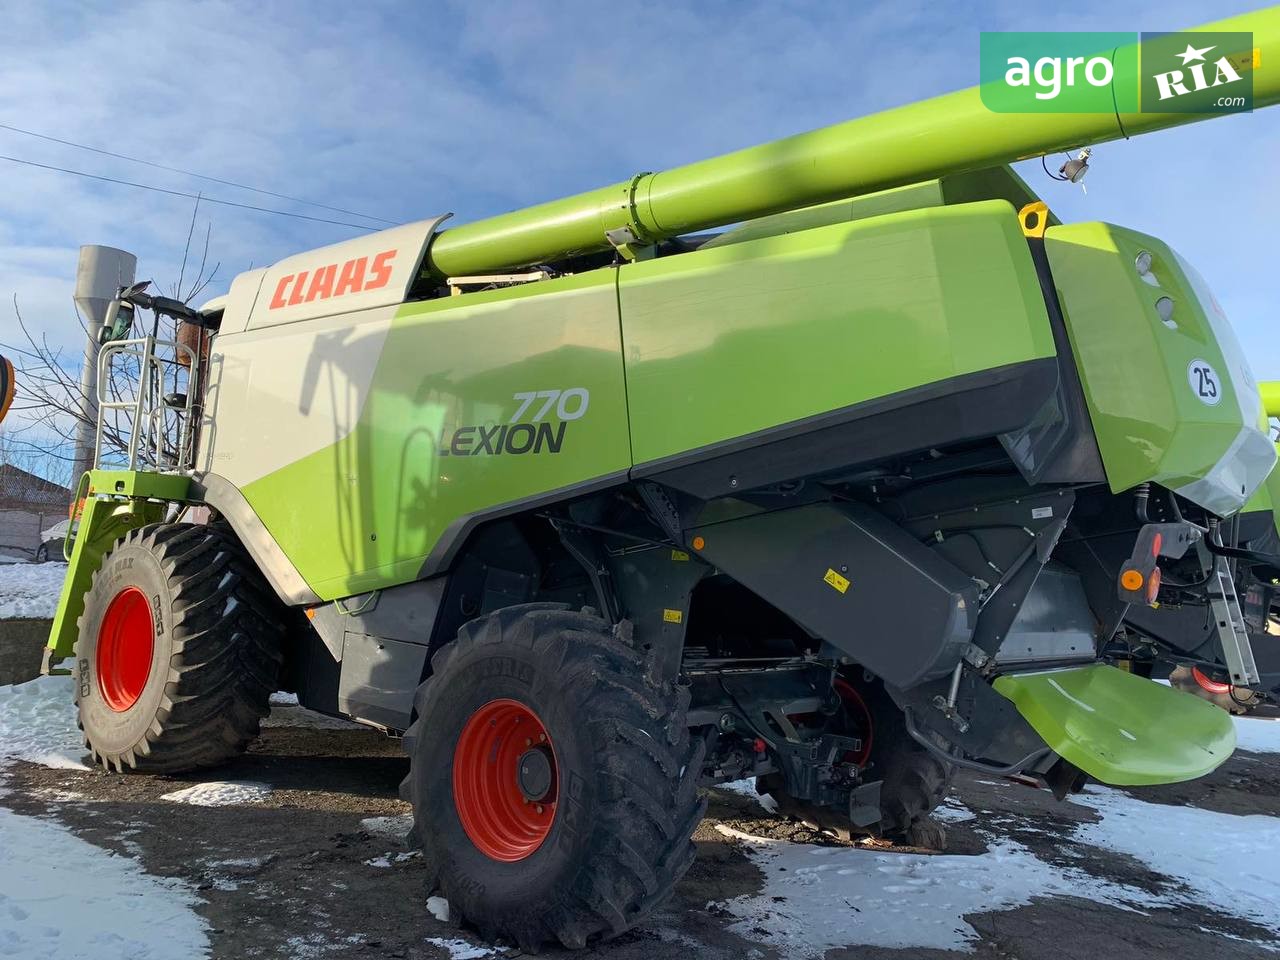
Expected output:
{"points": [[1120, 728], [367, 511], [726, 341], [1150, 420], [1267, 498], [104, 521], [997, 183], [914, 197], [1270, 390], [132, 483]]}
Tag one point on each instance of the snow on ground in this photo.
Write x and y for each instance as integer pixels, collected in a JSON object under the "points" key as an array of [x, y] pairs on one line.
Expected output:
{"points": [[44, 868], [389, 828], [38, 723], [1258, 734], [220, 793], [747, 788], [30, 590], [61, 897], [900, 899], [461, 950], [953, 811], [438, 907], [1226, 861]]}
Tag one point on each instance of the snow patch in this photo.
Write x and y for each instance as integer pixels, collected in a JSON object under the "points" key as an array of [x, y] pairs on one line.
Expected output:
{"points": [[387, 859], [953, 811], [818, 898], [438, 907], [47, 870], [1258, 734], [462, 950], [391, 828], [220, 793], [38, 723], [1225, 861], [30, 590], [747, 788]]}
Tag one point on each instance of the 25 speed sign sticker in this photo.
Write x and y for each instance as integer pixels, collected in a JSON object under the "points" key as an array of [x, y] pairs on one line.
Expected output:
{"points": [[1204, 382]]}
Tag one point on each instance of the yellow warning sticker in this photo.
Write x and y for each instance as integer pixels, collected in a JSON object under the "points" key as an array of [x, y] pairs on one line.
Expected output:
{"points": [[679, 555], [840, 583], [673, 616]]}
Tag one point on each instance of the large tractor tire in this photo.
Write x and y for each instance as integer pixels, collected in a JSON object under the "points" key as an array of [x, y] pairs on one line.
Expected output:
{"points": [[179, 651], [552, 778], [913, 780]]}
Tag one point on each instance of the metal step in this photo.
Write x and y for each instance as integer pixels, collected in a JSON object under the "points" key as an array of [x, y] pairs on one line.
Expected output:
{"points": [[1228, 620]]}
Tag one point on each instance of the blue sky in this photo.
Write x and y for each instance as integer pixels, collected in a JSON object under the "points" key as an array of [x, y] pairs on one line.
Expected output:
{"points": [[408, 110]]}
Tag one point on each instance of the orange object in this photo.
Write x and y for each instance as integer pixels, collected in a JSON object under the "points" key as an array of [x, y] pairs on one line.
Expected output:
{"points": [[7, 388], [1131, 580], [1153, 586], [698, 543]]}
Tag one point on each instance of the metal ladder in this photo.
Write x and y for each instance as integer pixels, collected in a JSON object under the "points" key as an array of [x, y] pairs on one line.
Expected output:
{"points": [[1228, 619], [149, 427]]}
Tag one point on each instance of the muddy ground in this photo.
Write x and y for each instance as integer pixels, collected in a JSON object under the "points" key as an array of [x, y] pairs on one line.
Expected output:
{"points": [[304, 873]]}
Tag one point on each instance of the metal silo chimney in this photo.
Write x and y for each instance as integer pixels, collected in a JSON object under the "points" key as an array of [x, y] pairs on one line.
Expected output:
{"points": [[100, 273]]}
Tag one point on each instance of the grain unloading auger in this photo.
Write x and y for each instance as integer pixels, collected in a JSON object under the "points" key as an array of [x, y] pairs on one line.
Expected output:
{"points": [[594, 510]]}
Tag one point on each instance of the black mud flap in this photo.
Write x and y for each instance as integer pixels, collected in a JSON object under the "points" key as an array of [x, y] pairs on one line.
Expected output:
{"points": [[854, 579]]}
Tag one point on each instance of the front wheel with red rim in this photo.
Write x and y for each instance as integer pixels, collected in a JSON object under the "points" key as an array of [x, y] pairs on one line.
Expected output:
{"points": [[178, 652], [126, 643], [553, 780], [505, 780]]}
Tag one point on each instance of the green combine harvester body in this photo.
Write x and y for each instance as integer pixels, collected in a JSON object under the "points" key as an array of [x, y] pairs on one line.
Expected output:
{"points": [[898, 451]]}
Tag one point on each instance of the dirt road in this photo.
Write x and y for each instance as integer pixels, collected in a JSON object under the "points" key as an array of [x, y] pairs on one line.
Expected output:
{"points": [[314, 866]]}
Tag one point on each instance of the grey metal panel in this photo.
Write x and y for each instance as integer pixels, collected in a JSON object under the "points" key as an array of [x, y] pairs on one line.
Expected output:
{"points": [[378, 678], [226, 498], [904, 613], [406, 612], [1054, 622]]}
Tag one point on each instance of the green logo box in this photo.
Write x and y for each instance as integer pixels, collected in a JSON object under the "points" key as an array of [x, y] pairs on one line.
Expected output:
{"points": [[1092, 72], [1197, 72], [1058, 72]]}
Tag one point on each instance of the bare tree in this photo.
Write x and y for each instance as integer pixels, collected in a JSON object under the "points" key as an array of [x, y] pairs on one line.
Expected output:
{"points": [[49, 405]]}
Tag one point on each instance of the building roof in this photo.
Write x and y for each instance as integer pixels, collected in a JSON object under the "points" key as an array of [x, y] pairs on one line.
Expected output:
{"points": [[20, 490]]}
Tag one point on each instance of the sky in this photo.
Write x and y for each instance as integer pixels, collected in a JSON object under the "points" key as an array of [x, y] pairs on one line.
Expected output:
{"points": [[403, 111]]}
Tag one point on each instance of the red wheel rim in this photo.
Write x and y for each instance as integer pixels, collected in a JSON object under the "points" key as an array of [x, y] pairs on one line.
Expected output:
{"points": [[1212, 686], [126, 642], [505, 780], [861, 713]]}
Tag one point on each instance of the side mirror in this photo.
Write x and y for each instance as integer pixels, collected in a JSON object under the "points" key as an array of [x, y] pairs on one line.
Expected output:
{"points": [[118, 322]]}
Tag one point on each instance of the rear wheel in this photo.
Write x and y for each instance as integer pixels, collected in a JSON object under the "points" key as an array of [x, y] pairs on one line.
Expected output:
{"points": [[552, 778], [913, 781], [179, 651]]}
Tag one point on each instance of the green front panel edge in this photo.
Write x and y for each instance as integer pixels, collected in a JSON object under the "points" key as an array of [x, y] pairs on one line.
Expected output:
{"points": [[366, 512], [1149, 424], [1120, 728], [727, 341], [116, 502]]}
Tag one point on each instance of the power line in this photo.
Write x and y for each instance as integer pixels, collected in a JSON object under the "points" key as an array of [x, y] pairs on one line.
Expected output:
{"points": [[190, 196], [189, 173]]}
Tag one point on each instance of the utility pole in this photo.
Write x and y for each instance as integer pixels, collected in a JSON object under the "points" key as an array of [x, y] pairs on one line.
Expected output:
{"points": [[100, 274]]}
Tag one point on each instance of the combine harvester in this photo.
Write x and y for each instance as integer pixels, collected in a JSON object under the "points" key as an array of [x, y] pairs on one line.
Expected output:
{"points": [[595, 507]]}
